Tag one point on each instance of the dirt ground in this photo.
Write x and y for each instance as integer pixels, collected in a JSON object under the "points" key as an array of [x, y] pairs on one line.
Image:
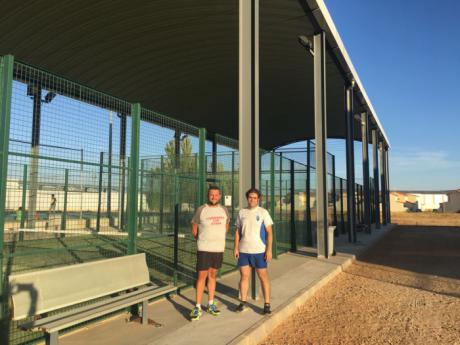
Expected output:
{"points": [[425, 218], [406, 290]]}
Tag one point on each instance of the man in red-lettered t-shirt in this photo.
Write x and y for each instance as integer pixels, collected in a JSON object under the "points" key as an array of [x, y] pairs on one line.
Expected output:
{"points": [[209, 227]]}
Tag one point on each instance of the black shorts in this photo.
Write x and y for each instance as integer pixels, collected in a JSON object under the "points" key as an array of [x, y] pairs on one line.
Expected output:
{"points": [[206, 260]]}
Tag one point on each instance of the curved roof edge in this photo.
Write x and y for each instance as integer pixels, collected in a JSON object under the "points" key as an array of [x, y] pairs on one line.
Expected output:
{"points": [[324, 19]]}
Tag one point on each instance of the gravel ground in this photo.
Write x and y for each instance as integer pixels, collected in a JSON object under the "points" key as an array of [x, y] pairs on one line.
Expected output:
{"points": [[406, 290]]}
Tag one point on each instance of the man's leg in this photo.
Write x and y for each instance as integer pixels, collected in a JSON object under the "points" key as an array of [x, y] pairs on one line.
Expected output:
{"points": [[200, 283], [265, 282], [245, 272], [212, 274]]}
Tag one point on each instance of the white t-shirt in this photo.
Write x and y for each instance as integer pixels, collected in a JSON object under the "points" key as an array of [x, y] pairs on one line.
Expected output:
{"points": [[253, 234], [212, 227]]}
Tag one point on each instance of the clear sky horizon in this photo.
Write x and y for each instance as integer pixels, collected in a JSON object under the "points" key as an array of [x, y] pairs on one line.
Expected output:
{"points": [[407, 54]]}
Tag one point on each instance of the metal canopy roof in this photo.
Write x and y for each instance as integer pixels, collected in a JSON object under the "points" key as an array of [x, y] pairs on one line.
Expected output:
{"points": [[180, 58]]}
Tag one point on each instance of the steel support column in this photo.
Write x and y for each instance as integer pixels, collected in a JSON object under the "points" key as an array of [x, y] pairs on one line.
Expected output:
{"points": [[387, 173], [334, 199], [202, 197], [248, 103], [109, 172], [272, 201], [366, 184], [6, 91], [375, 163], [133, 178], [383, 192], [122, 182], [214, 155], [350, 156], [319, 77], [34, 91], [293, 229], [309, 230]]}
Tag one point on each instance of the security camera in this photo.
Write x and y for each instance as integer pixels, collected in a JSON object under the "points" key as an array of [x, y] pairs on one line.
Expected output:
{"points": [[306, 43]]}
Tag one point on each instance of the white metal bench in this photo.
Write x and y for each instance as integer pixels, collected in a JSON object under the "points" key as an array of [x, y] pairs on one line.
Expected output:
{"points": [[118, 283]]}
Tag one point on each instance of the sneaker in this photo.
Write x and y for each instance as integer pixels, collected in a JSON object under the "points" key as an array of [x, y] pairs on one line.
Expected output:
{"points": [[241, 307], [213, 310], [267, 308], [195, 314]]}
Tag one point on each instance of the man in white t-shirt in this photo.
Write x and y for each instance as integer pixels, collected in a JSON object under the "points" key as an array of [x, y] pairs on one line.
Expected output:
{"points": [[209, 227], [253, 247]]}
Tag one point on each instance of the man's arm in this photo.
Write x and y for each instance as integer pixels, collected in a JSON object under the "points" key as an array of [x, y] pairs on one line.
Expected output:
{"points": [[195, 230], [268, 250], [236, 252]]}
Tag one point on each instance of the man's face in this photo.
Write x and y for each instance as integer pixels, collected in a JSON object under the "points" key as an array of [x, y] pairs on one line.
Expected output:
{"points": [[253, 200], [214, 196]]}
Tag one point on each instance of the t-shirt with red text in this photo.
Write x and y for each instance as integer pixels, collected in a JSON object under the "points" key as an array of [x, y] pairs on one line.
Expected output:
{"points": [[212, 227]]}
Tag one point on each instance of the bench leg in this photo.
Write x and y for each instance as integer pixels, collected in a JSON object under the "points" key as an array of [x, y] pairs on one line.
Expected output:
{"points": [[52, 338], [145, 312]]}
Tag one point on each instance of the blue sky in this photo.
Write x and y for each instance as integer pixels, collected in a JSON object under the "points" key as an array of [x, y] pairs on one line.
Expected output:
{"points": [[407, 54]]}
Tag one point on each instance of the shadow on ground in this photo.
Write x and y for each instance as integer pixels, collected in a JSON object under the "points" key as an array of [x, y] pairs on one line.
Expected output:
{"points": [[423, 257]]}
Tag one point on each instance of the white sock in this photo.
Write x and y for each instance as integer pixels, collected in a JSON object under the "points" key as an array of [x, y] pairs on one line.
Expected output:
{"points": [[210, 302], [198, 306]]}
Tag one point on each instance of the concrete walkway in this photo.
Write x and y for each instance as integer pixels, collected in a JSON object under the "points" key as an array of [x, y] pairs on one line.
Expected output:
{"points": [[295, 277]]}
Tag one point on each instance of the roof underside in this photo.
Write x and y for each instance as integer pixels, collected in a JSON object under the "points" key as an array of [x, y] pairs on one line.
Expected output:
{"points": [[181, 58]]}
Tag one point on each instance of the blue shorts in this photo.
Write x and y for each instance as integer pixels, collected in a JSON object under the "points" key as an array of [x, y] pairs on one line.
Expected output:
{"points": [[253, 260]]}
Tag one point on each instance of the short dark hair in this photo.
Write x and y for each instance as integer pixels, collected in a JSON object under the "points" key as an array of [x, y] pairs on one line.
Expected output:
{"points": [[253, 190], [213, 188]]}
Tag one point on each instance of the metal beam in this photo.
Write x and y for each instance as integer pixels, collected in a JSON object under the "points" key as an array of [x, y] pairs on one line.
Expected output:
{"points": [[122, 182], [293, 229], [214, 154], [366, 184], [309, 230], [383, 183], [387, 172], [248, 104], [133, 178], [319, 77], [375, 163], [334, 199], [6, 91], [202, 167], [350, 156], [35, 91]]}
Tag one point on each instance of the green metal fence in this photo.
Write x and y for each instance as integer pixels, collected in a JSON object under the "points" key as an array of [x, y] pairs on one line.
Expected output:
{"points": [[86, 176]]}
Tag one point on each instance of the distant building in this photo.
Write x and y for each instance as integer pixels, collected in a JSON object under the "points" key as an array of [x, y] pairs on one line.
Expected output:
{"points": [[403, 202], [412, 201], [453, 202], [430, 201]]}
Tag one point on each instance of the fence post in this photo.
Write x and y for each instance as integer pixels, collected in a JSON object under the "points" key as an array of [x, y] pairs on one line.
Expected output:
{"points": [[202, 167], [64, 212], [23, 202], [281, 188], [99, 191], [293, 229], [162, 192], [334, 199], [176, 229], [233, 185], [141, 189], [309, 231], [133, 178], [6, 86], [272, 203], [342, 218]]}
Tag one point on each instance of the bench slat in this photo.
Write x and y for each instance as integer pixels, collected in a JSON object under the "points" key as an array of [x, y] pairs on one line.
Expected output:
{"points": [[42, 291], [37, 323], [106, 309]]}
